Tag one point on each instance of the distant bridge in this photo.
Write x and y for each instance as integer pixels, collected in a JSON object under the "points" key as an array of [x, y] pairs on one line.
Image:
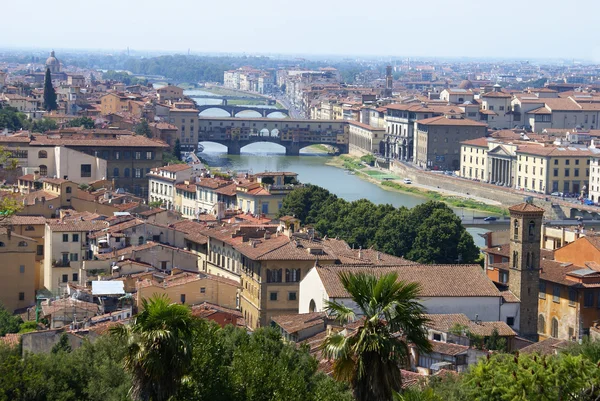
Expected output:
{"points": [[235, 133], [227, 97], [500, 224], [234, 110]]}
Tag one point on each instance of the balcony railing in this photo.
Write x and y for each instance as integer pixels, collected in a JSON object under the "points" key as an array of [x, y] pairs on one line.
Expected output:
{"points": [[61, 263]]}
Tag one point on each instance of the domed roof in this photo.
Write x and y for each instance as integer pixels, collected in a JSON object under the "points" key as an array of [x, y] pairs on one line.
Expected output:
{"points": [[466, 84], [52, 60]]}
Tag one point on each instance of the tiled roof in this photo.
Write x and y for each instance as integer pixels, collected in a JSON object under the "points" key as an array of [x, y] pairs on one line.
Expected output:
{"points": [[435, 280], [26, 220], [548, 346], [138, 141], [442, 121], [174, 168], [295, 323], [56, 181], [526, 208], [502, 250], [186, 188], [509, 297], [192, 230], [11, 339], [448, 348], [479, 142], [67, 303], [496, 94], [445, 322], [31, 197], [69, 225]]}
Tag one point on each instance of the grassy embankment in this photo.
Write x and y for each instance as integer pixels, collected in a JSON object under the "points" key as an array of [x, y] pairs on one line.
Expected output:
{"points": [[381, 178]]}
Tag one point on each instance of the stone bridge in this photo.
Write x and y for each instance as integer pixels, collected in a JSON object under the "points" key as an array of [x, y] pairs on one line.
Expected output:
{"points": [[235, 133], [234, 110]]}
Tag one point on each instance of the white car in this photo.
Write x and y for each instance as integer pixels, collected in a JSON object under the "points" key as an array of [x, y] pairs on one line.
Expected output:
{"points": [[407, 181]]}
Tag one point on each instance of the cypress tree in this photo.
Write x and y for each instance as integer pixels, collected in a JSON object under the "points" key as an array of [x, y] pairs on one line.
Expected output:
{"points": [[177, 149], [49, 93]]}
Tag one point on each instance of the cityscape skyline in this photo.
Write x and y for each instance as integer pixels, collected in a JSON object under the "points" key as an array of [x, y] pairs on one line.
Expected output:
{"points": [[267, 27]]}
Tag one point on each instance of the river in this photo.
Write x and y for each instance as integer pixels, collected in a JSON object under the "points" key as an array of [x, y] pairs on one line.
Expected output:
{"points": [[311, 168]]}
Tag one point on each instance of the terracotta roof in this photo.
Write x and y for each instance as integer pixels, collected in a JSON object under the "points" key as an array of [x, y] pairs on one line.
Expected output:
{"points": [[555, 151], [410, 379], [496, 94], [11, 339], [90, 225], [540, 110], [174, 168], [67, 303], [186, 188], [295, 323], [57, 181], [509, 297], [479, 142], [192, 231], [435, 280], [443, 121], [548, 346], [138, 141], [183, 278], [526, 208], [502, 250], [448, 348], [445, 323], [26, 220], [31, 197]]}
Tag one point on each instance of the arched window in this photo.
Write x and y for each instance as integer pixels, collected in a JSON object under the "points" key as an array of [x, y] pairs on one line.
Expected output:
{"points": [[42, 154], [516, 229], [43, 169], [531, 229], [126, 173], [68, 190], [116, 172], [141, 240], [554, 331], [2, 244], [312, 306], [541, 324], [22, 243]]}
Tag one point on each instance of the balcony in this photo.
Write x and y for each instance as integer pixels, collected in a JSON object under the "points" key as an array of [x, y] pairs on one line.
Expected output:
{"points": [[61, 263]]}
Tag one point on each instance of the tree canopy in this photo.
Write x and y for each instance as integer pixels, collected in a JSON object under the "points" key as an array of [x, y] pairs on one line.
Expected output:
{"points": [[84, 122], [143, 128], [428, 233]]}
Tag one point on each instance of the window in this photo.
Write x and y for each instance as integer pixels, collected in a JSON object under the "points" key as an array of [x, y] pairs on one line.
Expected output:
{"points": [[29, 228], [588, 299], [554, 332], [542, 290], [68, 190], [75, 237], [577, 162], [265, 208], [572, 297], [40, 250], [531, 229], [503, 277], [510, 320], [292, 296], [274, 276], [127, 155], [516, 229], [437, 337], [65, 238], [2, 244], [22, 269], [22, 244], [567, 162], [138, 155], [292, 275], [126, 173], [43, 169], [86, 170], [42, 154], [182, 298], [567, 172], [541, 324], [273, 296], [73, 257], [65, 278], [556, 293], [117, 155], [141, 240], [149, 155], [202, 290], [76, 277], [116, 172], [21, 296], [137, 172]]}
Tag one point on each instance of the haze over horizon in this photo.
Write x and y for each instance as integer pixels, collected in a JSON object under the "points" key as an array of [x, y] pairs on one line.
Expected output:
{"points": [[518, 29]]}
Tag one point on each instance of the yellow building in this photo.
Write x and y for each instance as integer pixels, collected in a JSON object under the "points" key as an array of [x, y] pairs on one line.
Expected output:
{"points": [[17, 270], [190, 288], [265, 195], [113, 103], [32, 227]]}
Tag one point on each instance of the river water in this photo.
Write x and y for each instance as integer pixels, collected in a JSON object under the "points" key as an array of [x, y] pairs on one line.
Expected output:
{"points": [[310, 166]]}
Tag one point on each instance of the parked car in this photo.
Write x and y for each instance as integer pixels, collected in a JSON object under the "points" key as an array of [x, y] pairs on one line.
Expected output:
{"points": [[588, 202], [407, 181], [556, 194], [490, 218]]}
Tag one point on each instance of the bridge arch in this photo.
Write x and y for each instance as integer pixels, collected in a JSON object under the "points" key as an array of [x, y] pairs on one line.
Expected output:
{"points": [[223, 112]]}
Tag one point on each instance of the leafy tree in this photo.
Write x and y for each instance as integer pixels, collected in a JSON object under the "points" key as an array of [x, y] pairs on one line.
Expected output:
{"points": [[9, 323], [142, 128], [589, 348], [159, 348], [177, 149], [417, 395], [27, 327], [62, 345], [83, 186], [43, 125], [49, 93], [169, 158], [84, 122], [12, 119], [370, 359], [155, 204]]}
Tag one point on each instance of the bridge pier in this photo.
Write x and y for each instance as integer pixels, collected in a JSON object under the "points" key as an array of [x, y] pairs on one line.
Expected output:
{"points": [[292, 150], [234, 148]]}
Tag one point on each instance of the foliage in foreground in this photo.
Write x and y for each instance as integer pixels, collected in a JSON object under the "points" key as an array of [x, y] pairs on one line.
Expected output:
{"points": [[370, 358], [428, 233]]}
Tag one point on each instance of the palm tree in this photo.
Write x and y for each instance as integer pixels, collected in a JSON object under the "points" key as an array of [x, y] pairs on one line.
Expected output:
{"points": [[392, 317], [159, 348]]}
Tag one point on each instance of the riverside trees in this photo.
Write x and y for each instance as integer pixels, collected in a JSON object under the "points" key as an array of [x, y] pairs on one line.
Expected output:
{"points": [[428, 233]]}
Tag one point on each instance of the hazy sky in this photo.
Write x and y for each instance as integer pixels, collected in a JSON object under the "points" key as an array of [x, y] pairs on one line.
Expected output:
{"points": [[441, 28]]}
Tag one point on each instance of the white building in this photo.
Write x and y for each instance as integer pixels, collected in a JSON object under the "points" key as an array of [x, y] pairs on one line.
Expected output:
{"points": [[594, 184], [444, 289], [162, 180]]}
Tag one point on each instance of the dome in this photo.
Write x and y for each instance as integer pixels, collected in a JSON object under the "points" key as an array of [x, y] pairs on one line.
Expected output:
{"points": [[466, 84], [53, 63]]}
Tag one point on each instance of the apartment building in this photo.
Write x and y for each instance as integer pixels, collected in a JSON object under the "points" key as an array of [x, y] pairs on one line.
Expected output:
{"points": [[264, 196], [365, 139], [162, 180], [17, 270], [169, 93], [185, 117]]}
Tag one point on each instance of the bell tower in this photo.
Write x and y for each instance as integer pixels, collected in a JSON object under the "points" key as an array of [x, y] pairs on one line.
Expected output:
{"points": [[524, 276]]}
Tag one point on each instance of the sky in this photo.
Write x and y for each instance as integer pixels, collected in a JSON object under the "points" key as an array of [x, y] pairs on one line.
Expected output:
{"points": [[401, 28]]}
